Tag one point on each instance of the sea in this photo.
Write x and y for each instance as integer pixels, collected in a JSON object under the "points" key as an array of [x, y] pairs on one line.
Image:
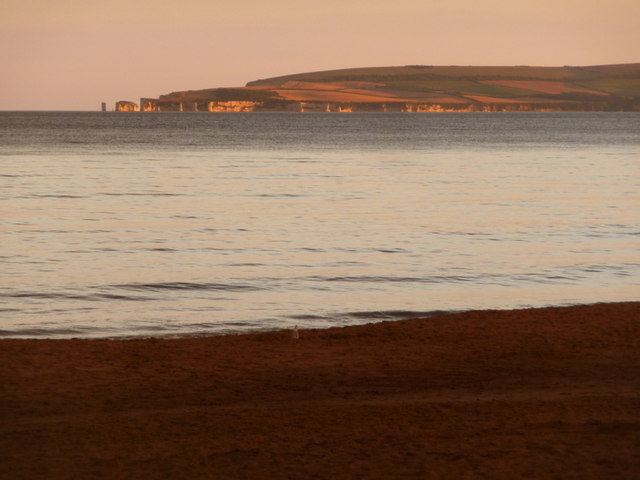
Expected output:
{"points": [[123, 225]]}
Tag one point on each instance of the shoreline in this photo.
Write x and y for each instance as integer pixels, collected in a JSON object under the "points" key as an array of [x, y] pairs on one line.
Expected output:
{"points": [[374, 318], [535, 393]]}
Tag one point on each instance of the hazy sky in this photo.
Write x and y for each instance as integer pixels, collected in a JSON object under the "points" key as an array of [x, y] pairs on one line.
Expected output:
{"points": [[74, 54]]}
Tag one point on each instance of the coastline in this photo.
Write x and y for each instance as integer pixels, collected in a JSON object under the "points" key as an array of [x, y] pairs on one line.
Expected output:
{"points": [[416, 88], [537, 393]]}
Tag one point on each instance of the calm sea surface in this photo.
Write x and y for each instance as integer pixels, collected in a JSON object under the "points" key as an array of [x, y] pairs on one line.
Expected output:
{"points": [[118, 224]]}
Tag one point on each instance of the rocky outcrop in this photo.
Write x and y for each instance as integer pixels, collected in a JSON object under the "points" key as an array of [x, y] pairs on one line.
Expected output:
{"points": [[148, 105], [126, 106], [234, 106]]}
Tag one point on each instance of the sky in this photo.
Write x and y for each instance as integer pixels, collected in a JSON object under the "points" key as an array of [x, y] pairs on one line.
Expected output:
{"points": [[75, 54]]}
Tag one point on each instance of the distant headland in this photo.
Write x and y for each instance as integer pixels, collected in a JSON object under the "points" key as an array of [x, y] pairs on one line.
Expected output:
{"points": [[418, 88]]}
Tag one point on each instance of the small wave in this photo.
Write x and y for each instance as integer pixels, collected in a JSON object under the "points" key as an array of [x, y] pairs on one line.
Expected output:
{"points": [[562, 276], [385, 279], [245, 264], [142, 194], [558, 278], [465, 234], [67, 296], [366, 278], [108, 296], [66, 232], [187, 286], [396, 314], [373, 315], [51, 195], [39, 295], [42, 332], [308, 317], [277, 195]]}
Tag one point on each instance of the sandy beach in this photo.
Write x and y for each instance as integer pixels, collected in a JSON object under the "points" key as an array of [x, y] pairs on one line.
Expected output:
{"points": [[535, 394]]}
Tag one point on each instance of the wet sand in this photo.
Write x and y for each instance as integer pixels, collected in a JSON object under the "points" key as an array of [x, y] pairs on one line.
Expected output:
{"points": [[535, 394]]}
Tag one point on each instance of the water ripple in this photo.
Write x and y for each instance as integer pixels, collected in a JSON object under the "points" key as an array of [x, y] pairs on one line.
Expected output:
{"points": [[187, 286]]}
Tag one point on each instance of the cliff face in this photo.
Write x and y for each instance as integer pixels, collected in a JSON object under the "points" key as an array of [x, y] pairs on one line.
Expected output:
{"points": [[126, 106], [206, 105], [234, 106], [293, 106], [419, 88]]}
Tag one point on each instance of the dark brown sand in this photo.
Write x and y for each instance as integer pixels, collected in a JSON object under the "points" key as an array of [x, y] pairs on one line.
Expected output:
{"points": [[531, 394]]}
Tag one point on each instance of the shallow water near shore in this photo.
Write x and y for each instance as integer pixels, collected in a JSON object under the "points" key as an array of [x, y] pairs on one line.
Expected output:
{"points": [[120, 224]]}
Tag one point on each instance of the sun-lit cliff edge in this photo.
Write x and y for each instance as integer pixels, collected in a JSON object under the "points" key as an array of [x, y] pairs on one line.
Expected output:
{"points": [[419, 88]]}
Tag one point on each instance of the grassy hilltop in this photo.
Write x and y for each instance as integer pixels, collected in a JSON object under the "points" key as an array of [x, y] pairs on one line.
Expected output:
{"points": [[424, 87]]}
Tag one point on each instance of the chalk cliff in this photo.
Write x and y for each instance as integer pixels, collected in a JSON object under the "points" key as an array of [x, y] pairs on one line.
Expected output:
{"points": [[126, 106]]}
